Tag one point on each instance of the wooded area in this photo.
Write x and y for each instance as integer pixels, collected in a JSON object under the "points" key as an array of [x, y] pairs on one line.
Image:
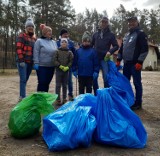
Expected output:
{"points": [[60, 14]]}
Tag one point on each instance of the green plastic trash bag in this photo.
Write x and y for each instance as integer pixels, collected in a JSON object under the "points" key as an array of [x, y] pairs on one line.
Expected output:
{"points": [[25, 117]]}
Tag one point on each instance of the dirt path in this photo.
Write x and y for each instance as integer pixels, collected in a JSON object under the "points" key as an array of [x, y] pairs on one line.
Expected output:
{"points": [[150, 116]]}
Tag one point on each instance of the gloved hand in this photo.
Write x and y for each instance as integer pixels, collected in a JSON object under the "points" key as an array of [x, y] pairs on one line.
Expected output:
{"points": [[118, 63], [95, 75], [75, 74], [35, 66], [22, 64], [138, 66], [65, 68], [61, 67], [106, 58]]}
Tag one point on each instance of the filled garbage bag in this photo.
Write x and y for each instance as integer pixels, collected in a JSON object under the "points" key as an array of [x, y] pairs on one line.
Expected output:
{"points": [[117, 124], [71, 126], [25, 117], [86, 100], [122, 85]]}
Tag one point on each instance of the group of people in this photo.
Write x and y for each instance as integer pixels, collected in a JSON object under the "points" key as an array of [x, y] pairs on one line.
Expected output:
{"points": [[47, 56]]}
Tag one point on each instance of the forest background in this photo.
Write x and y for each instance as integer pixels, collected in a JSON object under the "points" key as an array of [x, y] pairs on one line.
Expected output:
{"points": [[60, 14]]}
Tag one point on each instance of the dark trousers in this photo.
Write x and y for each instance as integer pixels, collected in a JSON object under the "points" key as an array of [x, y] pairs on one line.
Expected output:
{"points": [[129, 70], [85, 84], [70, 83], [61, 81], [45, 75]]}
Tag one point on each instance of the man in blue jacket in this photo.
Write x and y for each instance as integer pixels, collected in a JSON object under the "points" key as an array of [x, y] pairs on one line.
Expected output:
{"points": [[133, 52], [105, 44], [64, 34]]}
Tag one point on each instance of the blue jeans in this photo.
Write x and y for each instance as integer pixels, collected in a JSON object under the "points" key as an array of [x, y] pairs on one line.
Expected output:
{"points": [[104, 68], [24, 73], [129, 70], [45, 75], [70, 83]]}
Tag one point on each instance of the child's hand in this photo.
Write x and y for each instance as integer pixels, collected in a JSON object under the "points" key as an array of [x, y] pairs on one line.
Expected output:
{"points": [[61, 67], [65, 68]]}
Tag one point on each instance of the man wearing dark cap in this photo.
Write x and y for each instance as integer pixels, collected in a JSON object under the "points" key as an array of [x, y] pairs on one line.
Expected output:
{"points": [[105, 44], [133, 52], [64, 34]]}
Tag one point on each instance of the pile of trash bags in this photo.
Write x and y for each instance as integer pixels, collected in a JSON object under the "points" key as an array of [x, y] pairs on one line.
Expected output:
{"points": [[105, 118]]}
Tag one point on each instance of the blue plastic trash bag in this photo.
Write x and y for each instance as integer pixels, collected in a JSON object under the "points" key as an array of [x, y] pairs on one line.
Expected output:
{"points": [[120, 83], [117, 124], [86, 100], [71, 126], [25, 117]]}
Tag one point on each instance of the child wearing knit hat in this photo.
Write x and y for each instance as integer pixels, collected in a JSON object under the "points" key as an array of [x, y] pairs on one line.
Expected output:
{"points": [[64, 34], [85, 66], [63, 62]]}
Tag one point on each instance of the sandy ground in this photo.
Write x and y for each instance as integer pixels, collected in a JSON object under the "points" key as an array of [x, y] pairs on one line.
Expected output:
{"points": [[150, 115]]}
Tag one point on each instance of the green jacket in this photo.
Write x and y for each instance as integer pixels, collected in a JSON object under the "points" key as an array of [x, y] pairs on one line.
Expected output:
{"points": [[63, 57]]}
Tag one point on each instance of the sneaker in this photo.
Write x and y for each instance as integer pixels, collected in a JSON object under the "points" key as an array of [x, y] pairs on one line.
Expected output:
{"points": [[64, 101], [70, 98], [58, 102], [20, 99], [136, 106]]}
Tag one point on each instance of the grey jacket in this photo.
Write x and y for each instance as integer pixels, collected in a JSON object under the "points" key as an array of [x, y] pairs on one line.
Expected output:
{"points": [[44, 51], [134, 48]]}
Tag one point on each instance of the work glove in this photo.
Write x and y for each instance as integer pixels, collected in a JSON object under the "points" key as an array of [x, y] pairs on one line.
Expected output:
{"points": [[22, 64], [95, 75], [118, 63], [65, 68], [106, 58], [138, 66], [61, 67], [35, 66], [75, 74]]}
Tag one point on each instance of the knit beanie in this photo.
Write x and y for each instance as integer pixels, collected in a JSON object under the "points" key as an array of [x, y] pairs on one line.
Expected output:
{"points": [[64, 39], [63, 31], [29, 22], [86, 36]]}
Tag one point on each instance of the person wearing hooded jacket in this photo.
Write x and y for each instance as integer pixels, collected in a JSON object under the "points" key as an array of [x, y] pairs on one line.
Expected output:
{"points": [[105, 44], [133, 51], [85, 65]]}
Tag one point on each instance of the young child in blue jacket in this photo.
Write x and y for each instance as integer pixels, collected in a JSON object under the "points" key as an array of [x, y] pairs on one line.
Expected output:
{"points": [[85, 65]]}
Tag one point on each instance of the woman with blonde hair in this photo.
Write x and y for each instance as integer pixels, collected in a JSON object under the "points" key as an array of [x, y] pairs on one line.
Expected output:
{"points": [[24, 55], [43, 54]]}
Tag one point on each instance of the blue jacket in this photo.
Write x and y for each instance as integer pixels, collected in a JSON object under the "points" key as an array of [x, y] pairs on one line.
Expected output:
{"points": [[102, 42], [134, 48], [85, 61]]}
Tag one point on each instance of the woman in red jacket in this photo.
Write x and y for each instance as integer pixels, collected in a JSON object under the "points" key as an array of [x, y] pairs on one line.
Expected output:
{"points": [[24, 55]]}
